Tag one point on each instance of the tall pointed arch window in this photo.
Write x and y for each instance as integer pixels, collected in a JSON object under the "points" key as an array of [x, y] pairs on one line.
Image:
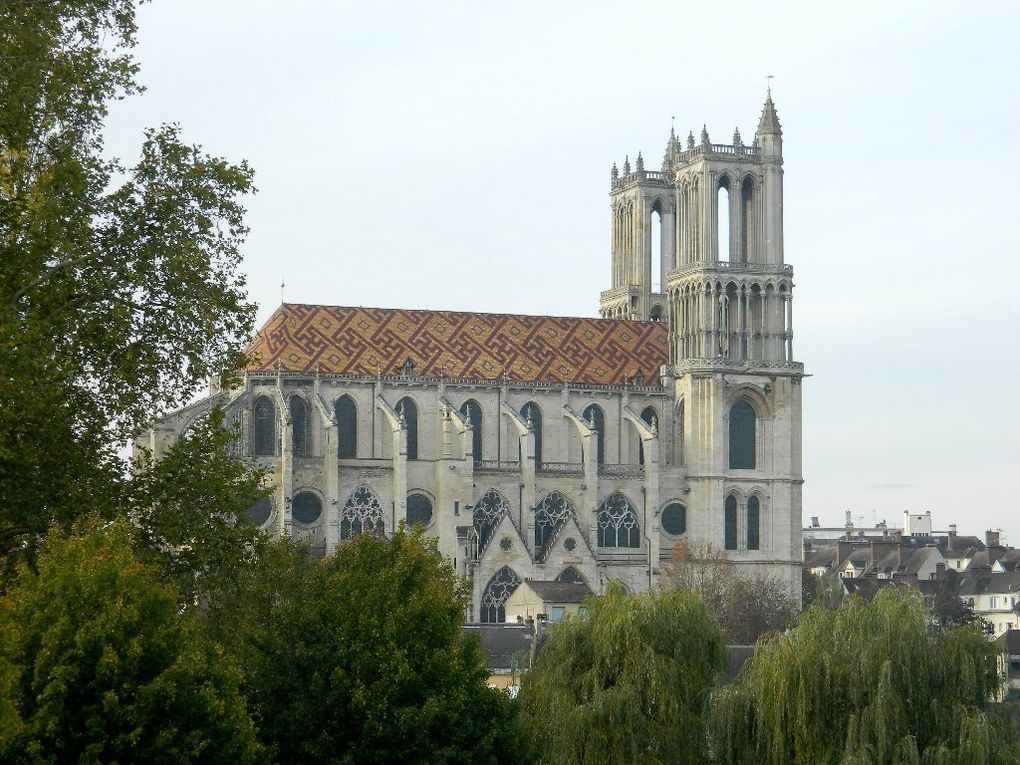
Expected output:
{"points": [[346, 413], [299, 426], [730, 523], [488, 512], [550, 513], [361, 514], [533, 415], [618, 523], [753, 523], [409, 411], [265, 427], [472, 412], [742, 436], [497, 593], [651, 417], [597, 419]]}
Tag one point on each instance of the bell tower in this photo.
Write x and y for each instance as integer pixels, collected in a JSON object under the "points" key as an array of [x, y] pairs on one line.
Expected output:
{"points": [[727, 295]]}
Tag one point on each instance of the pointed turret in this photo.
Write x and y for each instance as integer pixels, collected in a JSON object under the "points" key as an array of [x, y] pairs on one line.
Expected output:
{"points": [[769, 138], [769, 122], [673, 150], [640, 164], [690, 140], [704, 136], [737, 140], [626, 165]]}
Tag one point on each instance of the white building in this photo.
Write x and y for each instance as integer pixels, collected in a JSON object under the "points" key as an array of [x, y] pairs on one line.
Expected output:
{"points": [[531, 445]]}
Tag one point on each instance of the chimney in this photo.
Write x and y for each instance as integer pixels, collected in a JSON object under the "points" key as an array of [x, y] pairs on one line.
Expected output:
{"points": [[940, 570], [814, 521], [849, 521], [991, 538]]}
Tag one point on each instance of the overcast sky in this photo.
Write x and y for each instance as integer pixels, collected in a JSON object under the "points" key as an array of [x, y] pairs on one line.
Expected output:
{"points": [[457, 155]]}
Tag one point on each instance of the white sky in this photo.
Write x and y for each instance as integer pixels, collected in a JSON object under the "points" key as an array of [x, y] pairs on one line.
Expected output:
{"points": [[456, 156]]}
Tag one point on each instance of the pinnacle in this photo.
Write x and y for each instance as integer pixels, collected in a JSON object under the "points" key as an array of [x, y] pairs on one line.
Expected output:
{"points": [[769, 122]]}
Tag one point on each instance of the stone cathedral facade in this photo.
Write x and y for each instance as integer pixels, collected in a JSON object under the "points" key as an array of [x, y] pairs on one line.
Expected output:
{"points": [[556, 448]]}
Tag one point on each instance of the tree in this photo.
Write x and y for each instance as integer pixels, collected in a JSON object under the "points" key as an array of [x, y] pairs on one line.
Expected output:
{"points": [[825, 591], [867, 683], [188, 509], [626, 682], [360, 659], [119, 289], [96, 665], [744, 607]]}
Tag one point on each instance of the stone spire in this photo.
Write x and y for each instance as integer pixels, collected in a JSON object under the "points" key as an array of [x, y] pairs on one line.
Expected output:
{"points": [[626, 165], [769, 122], [673, 149], [614, 174], [704, 136], [737, 140], [640, 165]]}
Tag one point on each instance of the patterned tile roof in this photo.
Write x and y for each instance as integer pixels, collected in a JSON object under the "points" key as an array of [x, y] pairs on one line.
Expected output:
{"points": [[369, 341]]}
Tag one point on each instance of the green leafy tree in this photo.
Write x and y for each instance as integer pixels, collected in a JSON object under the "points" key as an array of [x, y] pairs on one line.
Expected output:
{"points": [[359, 658], [866, 684], [188, 509], [119, 288], [96, 664], [626, 682]]}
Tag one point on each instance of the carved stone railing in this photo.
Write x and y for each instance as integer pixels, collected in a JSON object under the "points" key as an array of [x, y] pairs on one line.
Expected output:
{"points": [[737, 365], [567, 468], [497, 466], [725, 266], [621, 471], [617, 292]]}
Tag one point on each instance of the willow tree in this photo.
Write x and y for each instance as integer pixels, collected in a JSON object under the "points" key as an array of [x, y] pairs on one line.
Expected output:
{"points": [[868, 684], [626, 682]]}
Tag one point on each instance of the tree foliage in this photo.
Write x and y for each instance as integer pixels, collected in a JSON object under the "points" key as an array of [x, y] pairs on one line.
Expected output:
{"points": [[188, 509], [96, 664], [867, 684], [119, 289], [626, 682], [360, 659], [744, 607]]}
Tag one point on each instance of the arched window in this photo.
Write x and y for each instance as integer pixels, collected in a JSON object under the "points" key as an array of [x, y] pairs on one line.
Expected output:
{"points": [[260, 511], [742, 432], [571, 576], [407, 409], [594, 416], [746, 219], [550, 514], [419, 509], [497, 592], [346, 413], [674, 519], [618, 523], [299, 425], [265, 427], [488, 512], [473, 414], [723, 215], [306, 508], [533, 415], [753, 523], [361, 513], [650, 416], [730, 523]]}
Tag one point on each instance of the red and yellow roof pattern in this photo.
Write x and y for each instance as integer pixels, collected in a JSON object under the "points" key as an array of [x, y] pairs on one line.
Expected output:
{"points": [[369, 341]]}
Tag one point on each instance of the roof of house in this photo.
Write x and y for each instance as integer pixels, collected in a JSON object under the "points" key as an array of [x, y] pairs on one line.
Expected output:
{"points": [[504, 645], [985, 582], [1009, 642], [458, 345], [559, 592]]}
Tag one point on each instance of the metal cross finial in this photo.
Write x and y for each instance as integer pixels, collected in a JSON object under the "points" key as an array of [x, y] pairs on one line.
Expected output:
{"points": [[768, 84], [283, 284]]}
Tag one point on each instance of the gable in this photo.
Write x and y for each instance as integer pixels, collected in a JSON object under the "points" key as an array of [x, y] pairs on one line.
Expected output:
{"points": [[458, 345]]}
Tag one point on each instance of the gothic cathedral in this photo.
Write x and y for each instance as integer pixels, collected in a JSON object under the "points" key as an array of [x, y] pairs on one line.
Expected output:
{"points": [[574, 451]]}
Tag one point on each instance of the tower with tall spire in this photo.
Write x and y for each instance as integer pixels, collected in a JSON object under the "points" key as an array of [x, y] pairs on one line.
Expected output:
{"points": [[717, 276]]}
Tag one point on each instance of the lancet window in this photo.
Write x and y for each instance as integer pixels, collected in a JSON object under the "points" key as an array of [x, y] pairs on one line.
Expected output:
{"points": [[488, 512], [618, 523], [265, 427], [742, 436], [497, 592], [299, 425], [346, 413], [550, 513], [753, 523], [730, 523], [532, 414], [596, 419], [361, 513], [407, 409], [472, 412]]}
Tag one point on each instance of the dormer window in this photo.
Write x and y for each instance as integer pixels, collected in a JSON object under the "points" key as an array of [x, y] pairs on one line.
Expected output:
{"points": [[408, 368]]}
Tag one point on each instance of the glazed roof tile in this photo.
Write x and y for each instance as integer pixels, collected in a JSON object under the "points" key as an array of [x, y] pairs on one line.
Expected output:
{"points": [[458, 345]]}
